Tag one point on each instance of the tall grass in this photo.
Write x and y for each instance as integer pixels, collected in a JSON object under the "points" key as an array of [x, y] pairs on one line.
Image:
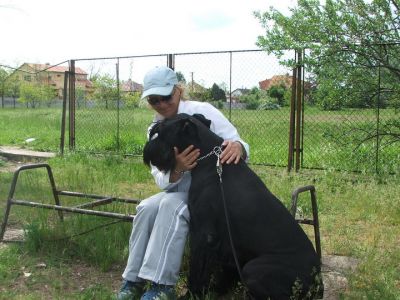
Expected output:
{"points": [[328, 137], [359, 216]]}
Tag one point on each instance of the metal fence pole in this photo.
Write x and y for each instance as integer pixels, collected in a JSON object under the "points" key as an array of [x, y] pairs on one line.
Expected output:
{"points": [[378, 100], [63, 114], [118, 102], [230, 86], [171, 61], [292, 119], [298, 109], [72, 105]]}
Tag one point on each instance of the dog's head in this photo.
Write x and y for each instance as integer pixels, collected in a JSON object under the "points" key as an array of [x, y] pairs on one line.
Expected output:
{"points": [[179, 131]]}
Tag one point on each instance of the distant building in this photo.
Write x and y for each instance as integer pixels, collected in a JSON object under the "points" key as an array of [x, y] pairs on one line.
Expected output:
{"points": [[235, 94], [131, 86], [52, 76], [277, 80]]}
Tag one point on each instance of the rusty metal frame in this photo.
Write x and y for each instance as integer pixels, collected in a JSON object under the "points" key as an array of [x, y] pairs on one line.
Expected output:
{"points": [[79, 209], [314, 221]]}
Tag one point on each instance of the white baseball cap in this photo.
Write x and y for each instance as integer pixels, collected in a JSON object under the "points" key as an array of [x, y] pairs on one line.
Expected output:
{"points": [[159, 81]]}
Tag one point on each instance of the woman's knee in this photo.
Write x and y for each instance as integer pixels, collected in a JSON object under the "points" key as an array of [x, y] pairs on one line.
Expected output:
{"points": [[150, 205], [175, 203]]}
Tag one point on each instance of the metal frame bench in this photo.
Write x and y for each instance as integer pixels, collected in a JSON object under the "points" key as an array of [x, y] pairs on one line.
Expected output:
{"points": [[83, 208], [99, 200]]}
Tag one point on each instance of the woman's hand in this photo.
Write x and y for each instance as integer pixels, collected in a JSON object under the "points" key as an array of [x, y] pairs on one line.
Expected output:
{"points": [[185, 161], [233, 151]]}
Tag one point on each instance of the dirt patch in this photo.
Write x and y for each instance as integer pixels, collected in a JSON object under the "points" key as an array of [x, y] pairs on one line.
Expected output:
{"points": [[9, 166], [335, 270]]}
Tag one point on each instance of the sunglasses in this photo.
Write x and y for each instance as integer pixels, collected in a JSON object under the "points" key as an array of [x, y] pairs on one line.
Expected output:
{"points": [[156, 99]]}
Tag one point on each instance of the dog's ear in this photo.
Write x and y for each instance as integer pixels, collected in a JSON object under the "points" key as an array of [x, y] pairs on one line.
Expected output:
{"points": [[159, 154], [189, 128], [202, 119], [155, 129]]}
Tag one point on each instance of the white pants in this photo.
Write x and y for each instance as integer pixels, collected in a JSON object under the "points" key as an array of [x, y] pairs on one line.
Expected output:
{"points": [[158, 238]]}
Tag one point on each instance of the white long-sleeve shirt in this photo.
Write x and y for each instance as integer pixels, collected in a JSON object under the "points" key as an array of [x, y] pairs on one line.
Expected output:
{"points": [[220, 125]]}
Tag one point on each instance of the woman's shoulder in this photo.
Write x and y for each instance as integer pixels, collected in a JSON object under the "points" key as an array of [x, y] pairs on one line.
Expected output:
{"points": [[191, 106]]}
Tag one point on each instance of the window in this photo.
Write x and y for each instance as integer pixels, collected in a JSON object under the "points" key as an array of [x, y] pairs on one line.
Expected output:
{"points": [[27, 78]]}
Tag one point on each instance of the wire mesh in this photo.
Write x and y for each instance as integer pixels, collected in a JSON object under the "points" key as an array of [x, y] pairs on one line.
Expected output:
{"points": [[357, 132]]}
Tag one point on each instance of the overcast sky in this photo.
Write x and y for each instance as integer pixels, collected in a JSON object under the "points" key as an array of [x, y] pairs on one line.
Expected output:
{"points": [[52, 31]]}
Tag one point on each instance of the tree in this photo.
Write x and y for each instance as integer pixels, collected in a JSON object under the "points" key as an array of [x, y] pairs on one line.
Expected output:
{"points": [[350, 43], [278, 92], [353, 54], [105, 89], [3, 77], [131, 99], [257, 98], [30, 94], [217, 93], [180, 77]]}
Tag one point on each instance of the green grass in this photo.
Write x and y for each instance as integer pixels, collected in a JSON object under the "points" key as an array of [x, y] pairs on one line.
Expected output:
{"points": [[328, 142], [359, 216]]}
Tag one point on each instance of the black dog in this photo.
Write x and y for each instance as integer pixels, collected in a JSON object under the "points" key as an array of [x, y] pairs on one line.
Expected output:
{"points": [[275, 257]]}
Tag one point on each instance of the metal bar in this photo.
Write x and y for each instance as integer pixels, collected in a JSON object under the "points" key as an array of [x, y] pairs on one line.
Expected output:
{"points": [[118, 102], [298, 109], [230, 86], [378, 100], [11, 195], [305, 221], [302, 109], [292, 120], [171, 61], [95, 203], [64, 112], [92, 196], [74, 210], [53, 189], [315, 220], [164, 54], [72, 105]]}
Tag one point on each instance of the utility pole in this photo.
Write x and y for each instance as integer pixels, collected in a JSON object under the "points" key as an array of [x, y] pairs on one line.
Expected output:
{"points": [[191, 74]]}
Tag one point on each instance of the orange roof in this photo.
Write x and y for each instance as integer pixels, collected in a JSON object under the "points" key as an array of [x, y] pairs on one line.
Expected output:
{"points": [[56, 69]]}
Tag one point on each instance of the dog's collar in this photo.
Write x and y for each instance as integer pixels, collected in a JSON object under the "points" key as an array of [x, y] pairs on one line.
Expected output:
{"points": [[217, 150]]}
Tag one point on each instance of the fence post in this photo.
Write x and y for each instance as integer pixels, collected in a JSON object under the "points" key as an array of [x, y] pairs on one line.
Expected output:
{"points": [[298, 108], [296, 112], [292, 119], [71, 104], [118, 102], [171, 61], [64, 108], [2, 94]]}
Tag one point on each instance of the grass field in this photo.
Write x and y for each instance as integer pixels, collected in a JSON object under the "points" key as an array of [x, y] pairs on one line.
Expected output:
{"points": [[329, 138], [359, 217]]}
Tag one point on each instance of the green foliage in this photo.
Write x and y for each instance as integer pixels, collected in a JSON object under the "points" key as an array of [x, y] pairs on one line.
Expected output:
{"points": [[257, 99], [105, 90], [201, 95], [131, 99], [278, 92], [180, 77], [352, 52], [3, 76], [217, 93], [30, 93], [348, 43], [47, 94], [359, 217]]}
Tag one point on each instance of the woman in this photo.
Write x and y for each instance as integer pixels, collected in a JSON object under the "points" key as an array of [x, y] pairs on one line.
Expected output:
{"points": [[161, 224]]}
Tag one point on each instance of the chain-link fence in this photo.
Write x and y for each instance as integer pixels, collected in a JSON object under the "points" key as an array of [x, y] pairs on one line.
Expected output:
{"points": [[250, 87], [355, 125], [114, 118]]}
